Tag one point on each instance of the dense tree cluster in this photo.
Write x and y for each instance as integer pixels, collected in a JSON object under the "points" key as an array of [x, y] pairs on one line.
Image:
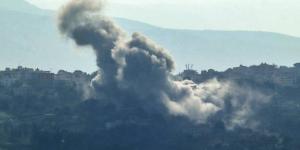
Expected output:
{"points": [[44, 111]]}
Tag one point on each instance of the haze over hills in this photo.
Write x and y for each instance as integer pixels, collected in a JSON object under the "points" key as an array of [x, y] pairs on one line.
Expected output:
{"points": [[22, 6], [29, 37], [135, 102]]}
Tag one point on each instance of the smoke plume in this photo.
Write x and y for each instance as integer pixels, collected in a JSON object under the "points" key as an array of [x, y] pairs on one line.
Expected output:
{"points": [[134, 72]]}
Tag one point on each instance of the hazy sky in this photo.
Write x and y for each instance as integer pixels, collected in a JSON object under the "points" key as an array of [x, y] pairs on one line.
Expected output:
{"points": [[281, 16]]}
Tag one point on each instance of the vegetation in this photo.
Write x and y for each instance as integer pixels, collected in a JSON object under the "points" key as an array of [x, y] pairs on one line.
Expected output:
{"points": [[44, 111]]}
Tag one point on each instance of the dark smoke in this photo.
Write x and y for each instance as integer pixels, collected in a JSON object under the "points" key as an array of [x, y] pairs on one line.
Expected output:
{"points": [[135, 72]]}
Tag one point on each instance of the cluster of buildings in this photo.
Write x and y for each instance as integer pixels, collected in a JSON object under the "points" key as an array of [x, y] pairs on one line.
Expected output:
{"points": [[286, 76], [11, 76]]}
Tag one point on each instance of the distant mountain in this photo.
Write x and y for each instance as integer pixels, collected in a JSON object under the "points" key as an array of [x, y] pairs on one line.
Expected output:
{"points": [[221, 49], [29, 37], [21, 6]]}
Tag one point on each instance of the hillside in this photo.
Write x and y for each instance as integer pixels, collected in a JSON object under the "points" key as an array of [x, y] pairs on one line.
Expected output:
{"points": [[26, 31], [59, 117]]}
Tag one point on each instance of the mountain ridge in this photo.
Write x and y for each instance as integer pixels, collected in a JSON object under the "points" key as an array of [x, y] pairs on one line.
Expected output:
{"points": [[22, 6], [36, 33]]}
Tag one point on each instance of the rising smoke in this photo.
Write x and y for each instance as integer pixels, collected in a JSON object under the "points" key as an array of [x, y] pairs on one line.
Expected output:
{"points": [[135, 72]]}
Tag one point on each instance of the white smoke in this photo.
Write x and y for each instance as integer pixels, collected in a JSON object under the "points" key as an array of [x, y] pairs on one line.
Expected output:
{"points": [[202, 101], [244, 104]]}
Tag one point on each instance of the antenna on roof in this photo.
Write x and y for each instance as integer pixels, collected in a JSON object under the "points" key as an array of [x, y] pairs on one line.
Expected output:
{"points": [[189, 66]]}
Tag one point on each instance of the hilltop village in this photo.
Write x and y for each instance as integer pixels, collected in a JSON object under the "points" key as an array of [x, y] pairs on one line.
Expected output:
{"points": [[284, 76], [10, 76], [263, 73], [39, 108]]}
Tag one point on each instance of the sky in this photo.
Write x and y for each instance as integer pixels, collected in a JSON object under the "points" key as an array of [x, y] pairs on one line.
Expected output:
{"points": [[281, 16]]}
